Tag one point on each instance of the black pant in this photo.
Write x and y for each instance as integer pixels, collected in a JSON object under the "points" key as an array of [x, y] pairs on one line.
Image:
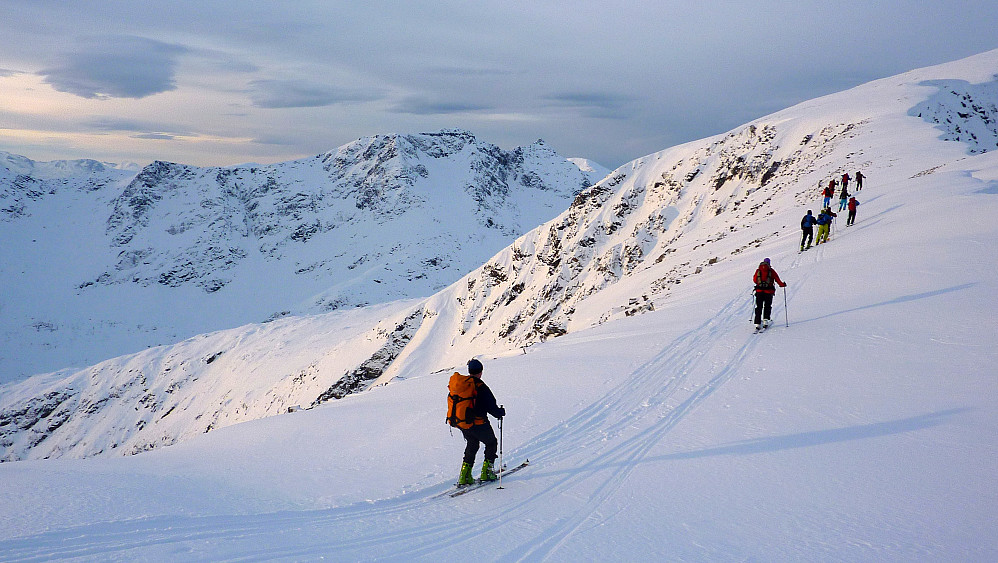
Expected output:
{"points": [[808, 236], [852, 217], [480, 434], [763, 306]]}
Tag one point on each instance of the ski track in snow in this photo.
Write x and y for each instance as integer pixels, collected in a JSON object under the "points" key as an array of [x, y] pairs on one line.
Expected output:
{"points": [[655, 397], [645, 396]]}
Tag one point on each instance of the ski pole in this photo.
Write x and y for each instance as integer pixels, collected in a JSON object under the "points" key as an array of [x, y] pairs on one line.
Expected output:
{"points": [[785, 311], [500, 450]]}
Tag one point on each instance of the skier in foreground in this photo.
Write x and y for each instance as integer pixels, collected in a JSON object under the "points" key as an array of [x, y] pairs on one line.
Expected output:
{"points": [[765, 277], [469, 401]]}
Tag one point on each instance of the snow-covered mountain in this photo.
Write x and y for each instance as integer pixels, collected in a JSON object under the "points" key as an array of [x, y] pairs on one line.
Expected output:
{"points": [[658, 426], [652, 229], [99, 261]]}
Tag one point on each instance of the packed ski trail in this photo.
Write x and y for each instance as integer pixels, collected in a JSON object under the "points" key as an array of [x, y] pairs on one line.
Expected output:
{"points": [[590, 455]]}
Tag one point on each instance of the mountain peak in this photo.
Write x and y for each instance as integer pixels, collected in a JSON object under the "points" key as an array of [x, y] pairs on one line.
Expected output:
{"points": [[382, 218]]}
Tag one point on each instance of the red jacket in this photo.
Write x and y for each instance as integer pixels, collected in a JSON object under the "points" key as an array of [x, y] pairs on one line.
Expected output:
{"points": [[764, 278]]}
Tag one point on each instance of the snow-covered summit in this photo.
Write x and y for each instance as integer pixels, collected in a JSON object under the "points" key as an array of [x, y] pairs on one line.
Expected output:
{"points": [[104, 262], [587, 165], [57, 169]]}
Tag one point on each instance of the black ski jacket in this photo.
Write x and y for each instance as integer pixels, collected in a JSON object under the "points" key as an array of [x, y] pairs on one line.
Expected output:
{"points": [[485, 401]]}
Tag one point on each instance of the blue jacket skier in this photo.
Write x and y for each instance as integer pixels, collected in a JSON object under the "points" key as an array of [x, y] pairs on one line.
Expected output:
{"points": [[807, 227]]}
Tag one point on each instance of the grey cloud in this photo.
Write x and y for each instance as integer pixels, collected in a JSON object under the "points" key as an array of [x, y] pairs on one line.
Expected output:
{"points": [[225, 62], [5, 72], [117, 67], [305, 94], [461, 71], [425, 106], [278, 140], [595, 104], [116, 124]]}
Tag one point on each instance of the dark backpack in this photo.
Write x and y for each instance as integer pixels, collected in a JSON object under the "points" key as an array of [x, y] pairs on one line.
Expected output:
{"points": [[461, 393]]}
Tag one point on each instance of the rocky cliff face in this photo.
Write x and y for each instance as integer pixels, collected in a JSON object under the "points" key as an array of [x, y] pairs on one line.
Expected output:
{"points": [[217, 218], [964, 112], [171, 251], [675, 214]]}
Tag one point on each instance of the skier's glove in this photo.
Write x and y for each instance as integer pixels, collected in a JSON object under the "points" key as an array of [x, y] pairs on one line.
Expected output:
{"points": [[502, 412]]}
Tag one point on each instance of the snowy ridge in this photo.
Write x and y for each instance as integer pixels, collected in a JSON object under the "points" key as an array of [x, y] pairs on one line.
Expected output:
{"points": [[57, 169], [965, 112], [362, 187], [168, 394], [155, 257], [648, 230], [707, 204]]}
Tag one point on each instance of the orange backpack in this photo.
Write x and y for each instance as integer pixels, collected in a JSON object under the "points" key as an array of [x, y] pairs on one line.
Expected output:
{"points": [[461, 392]]}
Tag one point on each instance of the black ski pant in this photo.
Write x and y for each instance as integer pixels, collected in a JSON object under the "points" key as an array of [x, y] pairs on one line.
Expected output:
{"points": [[480, 434], [807, 237], [763, 306], [852, 217]]}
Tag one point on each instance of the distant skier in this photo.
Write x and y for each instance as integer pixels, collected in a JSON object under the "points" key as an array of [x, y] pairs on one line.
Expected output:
{"points": [[845, 180], [766, 279], [469, 401], [859, 180], [824, 225], [853, 204], [829, 192], [843, 198], [807, 230]]}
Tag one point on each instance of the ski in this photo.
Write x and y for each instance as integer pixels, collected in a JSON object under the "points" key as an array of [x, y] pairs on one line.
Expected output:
{"points": [[479, 484]]}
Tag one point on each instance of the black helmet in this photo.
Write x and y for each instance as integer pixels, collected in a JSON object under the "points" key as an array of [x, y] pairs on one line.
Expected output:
{"points": [[474, 367]]}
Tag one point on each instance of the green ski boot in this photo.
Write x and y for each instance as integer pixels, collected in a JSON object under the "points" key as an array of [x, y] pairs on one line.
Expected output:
{"points": [[487, 473], [465, 478]]}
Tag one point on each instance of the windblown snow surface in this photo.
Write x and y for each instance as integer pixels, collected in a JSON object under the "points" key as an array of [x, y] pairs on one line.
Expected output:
{"points": [[657, 426]]}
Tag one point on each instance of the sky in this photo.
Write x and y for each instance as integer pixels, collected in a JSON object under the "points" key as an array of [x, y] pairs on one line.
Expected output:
{"points": [[226, 82]]}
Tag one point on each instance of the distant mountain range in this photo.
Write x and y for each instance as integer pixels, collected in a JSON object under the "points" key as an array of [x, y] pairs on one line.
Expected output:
{"points": [[99, 261]]}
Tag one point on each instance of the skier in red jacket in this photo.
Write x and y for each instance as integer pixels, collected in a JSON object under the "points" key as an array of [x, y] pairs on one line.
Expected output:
{"points": [[853, 204], [766, 279]]}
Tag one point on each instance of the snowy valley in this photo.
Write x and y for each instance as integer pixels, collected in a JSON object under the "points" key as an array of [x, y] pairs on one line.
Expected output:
{"points": [[861, 427]]}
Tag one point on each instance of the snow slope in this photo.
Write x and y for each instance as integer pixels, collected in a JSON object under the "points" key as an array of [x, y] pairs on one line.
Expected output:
{"points": [[98, 262], [657, 429]]}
